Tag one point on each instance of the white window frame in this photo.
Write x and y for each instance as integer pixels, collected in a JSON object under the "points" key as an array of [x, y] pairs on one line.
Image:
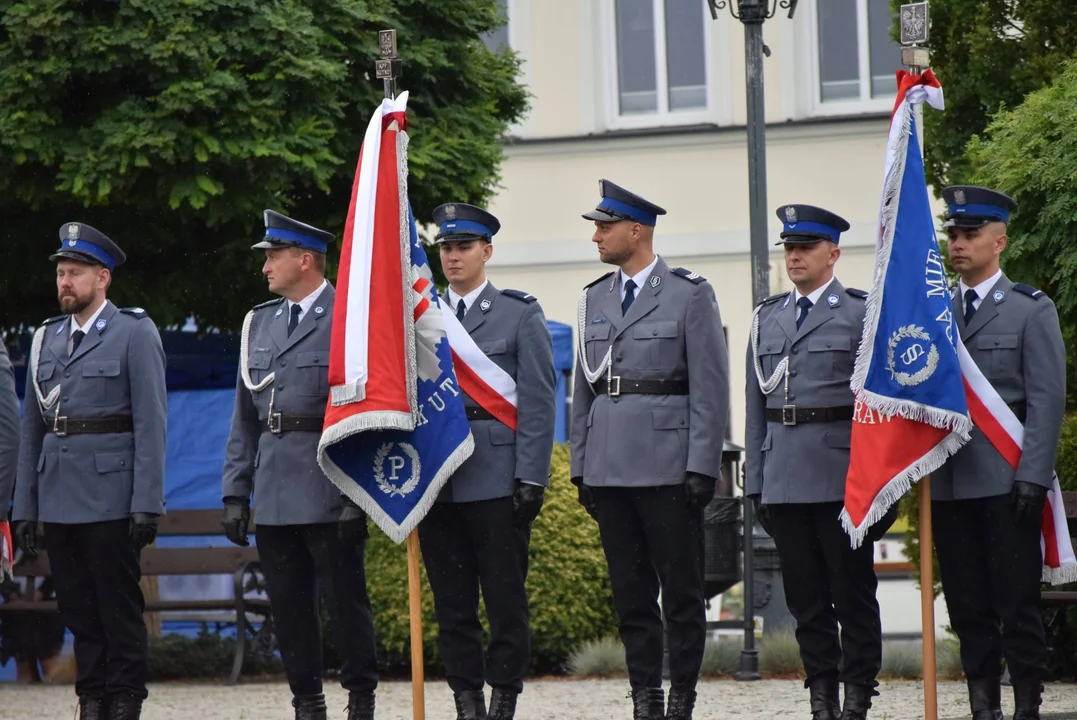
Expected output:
{"points": [[809, 34], [508, 23], [663, 117]]}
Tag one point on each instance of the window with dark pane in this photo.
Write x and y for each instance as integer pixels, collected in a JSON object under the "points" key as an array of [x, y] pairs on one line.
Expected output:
{"points": [[839, 65], [498, 38], [636, 71], [685, 55], [885, 53]]}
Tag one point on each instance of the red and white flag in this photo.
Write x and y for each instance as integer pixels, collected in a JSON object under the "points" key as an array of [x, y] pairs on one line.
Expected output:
{"points": [[7, 553]]}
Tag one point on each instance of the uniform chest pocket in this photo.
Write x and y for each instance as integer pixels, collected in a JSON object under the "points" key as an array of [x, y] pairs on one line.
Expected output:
{"points": [[101, 383], [657, 344], [829, 357], [770, 353], [597, 337], [258, 365], [313, 368], [45, 371], [1005, 358], [494, 347]]}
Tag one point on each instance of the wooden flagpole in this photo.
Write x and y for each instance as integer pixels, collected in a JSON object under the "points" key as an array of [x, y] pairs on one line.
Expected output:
{"points": [[387, 69], [415, 600], [927, 602]]}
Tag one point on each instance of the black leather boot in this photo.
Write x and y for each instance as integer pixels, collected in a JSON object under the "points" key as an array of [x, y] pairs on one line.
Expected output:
{"points": [[985, 699], [124, 707], [648, 704], [825, 698], [681, 703], [857, 702], [309, 707], [93, 708], [1027, 698], [502, 704], [470, 705], [360, 706]]}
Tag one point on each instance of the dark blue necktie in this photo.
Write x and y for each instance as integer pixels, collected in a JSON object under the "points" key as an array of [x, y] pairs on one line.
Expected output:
{"points": [[970, 309], [293, 319], [630, 295], [461, 308], [76, 340], [805, 305]]}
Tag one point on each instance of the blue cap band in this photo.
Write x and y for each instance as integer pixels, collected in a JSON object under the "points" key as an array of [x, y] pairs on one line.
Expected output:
{"points": [[811, 228], [465, 227], [629, 211], [302, 240], [81, 246], [992, 211]]}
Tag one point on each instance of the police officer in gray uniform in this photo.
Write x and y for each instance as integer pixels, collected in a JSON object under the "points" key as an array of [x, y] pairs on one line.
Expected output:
{"points": [[91, 468], [645, 452], [478, 533], [986, 515], [9, 431], [799, 421], [308, 536]]}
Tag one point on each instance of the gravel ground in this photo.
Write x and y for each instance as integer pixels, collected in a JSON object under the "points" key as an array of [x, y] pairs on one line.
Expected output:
{"points": [[542, 700]]}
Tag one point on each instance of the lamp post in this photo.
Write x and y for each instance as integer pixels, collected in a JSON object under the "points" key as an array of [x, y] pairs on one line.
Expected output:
{"points": [[753, 13]]}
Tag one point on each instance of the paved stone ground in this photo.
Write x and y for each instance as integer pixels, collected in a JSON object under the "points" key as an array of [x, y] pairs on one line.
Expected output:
{"points": [[543, 700]]}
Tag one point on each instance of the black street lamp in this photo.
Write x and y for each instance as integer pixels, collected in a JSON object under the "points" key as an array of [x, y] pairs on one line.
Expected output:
{"points": [[752, 13]]}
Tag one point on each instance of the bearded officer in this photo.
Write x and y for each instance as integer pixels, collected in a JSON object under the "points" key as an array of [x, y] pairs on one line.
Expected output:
{"points": [[799, 415], [645, 452], [478, 533], [986, 514], [91, 468], [308, 535]]}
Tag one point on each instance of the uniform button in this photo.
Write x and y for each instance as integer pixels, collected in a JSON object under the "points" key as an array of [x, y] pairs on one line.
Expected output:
{"points": [[63, 449], [65, 398], [828, 345], [654, 332], [996, 342], [618, 358], [792, 373], [682, 422], [100, 370], [284, 363], [67, 373], [792, 396], [315, 359], [795, 350], [123, 463], [280, 387]]}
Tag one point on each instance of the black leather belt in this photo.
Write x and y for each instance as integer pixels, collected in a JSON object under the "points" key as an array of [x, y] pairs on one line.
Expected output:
{"points": [[793, 415], [63, 426], [618, 385], [278, 423], [474, 412]]}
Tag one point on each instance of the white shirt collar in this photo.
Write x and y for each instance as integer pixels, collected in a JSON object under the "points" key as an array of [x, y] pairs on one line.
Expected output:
{"points": [[468, 299], [306, 303], [981, 290], [815, 294], [89, 322], [639, 278]]}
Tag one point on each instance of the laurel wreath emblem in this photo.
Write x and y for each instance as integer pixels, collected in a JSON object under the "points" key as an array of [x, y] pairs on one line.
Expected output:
{"points": [[911, 332], [379, 470]]}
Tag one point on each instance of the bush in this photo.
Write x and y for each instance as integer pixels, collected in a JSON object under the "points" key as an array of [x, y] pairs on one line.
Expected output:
{"points": [[779, 655], [948, 659], [904, 661], [177, 657], [599, 659], [721, 658]]}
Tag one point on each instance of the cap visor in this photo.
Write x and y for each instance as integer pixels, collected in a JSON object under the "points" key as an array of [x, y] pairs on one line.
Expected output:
{"points": [[460, 237], [77, 256], [601, 216], [270, 244], [968, 221], [802, 239]]}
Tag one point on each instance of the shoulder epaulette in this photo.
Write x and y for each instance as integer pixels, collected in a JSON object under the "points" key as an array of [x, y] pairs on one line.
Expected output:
{"points": [[51, 320], [856, 293], [1028, 290], [596, 281], [773, 299], [136, 311], [269, 303], [519, 295], [689, 275]]}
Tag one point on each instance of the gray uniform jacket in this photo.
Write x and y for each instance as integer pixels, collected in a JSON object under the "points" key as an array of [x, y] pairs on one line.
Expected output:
{"points": [[804, 463], [672, 331], [282, 469], [118, 370], [509, 327], [9, 431], [1015, 339]]}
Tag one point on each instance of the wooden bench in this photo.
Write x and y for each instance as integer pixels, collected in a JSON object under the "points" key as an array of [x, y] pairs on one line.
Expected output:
{"points": [[239, 562], [1062, 600]]}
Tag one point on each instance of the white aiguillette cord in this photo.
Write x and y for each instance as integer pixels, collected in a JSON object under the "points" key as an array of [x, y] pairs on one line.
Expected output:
{"points": [[244, 350], [591, 375], [767, 386]]}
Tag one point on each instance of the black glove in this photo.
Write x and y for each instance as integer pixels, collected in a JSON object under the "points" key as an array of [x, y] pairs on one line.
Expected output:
{"points": [[1028, 499], [762, 513], [699, 490], [876, 531], [585, 498], [237, 516], [26, 537], [526, 503], [143, 529], [351, 524]]}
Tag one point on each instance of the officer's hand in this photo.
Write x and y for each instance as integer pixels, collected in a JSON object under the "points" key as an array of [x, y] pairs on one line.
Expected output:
{"points": [[351, 524], [585, 498], [526, 503], [876, 531], [26, 537], [143, 529], [237, 517], [762, 513], [699, 489], [1028, 499]]}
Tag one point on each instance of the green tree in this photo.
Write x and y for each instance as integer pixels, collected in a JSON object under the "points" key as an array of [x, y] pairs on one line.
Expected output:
{"points": [[171, 124], [988, 54]]}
